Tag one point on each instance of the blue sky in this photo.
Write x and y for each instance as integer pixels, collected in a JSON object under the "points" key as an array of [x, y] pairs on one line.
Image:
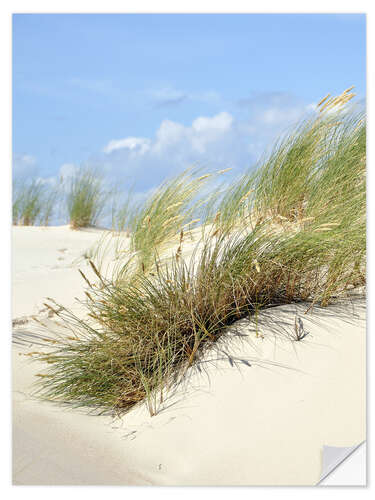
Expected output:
{"points": [[144, 96]]}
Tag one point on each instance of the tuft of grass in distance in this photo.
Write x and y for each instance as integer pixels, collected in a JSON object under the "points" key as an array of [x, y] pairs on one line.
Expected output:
{"points": [[269, 244], [33, 202], [85, 197]]}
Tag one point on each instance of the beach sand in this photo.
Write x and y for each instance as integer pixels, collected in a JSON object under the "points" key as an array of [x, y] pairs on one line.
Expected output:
{"points": [[256, 410]]}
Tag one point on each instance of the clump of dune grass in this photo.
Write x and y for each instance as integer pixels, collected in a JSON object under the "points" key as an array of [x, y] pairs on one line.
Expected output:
{"points": [[164, 220], [85, 197], [289, 174], [292, 231], [33, 202], [27, 202]]}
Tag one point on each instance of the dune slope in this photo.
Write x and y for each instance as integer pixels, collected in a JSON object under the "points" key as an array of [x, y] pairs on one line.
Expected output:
{"points": [[256, 411]]}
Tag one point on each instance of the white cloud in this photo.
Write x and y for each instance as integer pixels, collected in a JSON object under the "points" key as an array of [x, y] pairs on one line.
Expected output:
{"points": [[169, 134], [219, 141], [138, 144], [218, 123]]}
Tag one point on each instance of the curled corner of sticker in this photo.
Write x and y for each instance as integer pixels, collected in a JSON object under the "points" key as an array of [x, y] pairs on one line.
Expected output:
{"points": [[333, 456]]}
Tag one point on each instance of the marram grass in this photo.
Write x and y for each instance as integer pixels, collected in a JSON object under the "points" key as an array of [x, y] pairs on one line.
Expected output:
{"points": [[291, 231], [33, 202], [85, 197]]}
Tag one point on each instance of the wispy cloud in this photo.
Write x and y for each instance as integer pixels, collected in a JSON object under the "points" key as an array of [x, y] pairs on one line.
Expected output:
{"points": [[168, 96], [174, 101]]}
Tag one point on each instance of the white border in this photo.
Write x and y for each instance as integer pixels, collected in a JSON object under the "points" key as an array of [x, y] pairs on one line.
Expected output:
{"points": [[183, 6]]}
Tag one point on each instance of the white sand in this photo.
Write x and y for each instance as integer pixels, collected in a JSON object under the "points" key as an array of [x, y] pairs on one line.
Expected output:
{"points": [[231, 424]]}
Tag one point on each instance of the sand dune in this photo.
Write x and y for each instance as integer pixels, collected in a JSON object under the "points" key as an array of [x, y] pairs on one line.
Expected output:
{"points": [[256, 411]]}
